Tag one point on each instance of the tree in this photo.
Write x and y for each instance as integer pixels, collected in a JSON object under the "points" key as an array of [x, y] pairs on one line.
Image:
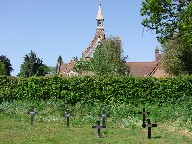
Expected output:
{"points": [[82, 66], [2, 68], [177, 57], [59, 62], [172, 22], [107, 59], [185, 26], [32, 66], [163, 16], [5, 66]]}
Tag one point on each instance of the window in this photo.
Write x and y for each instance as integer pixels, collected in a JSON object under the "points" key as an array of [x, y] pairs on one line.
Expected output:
{"points": [[99, 23]]}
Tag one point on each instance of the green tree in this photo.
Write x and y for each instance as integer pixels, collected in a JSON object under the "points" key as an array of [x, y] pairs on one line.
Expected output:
{"points": [[185, 27], [163, 16], [171, 57], [59, 62], [107, 59], [177, 57], [32, 66], [2, 68], [172, 22], [82, 66], [6, 67]]}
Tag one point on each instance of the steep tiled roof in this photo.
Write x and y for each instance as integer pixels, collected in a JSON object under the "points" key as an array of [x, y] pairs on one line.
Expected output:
{"points": [[142, 68], [90, 49], [63, 67], [66, 68]]}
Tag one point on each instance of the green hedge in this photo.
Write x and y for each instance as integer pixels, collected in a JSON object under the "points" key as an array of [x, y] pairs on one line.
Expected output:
{"points": [[102, 89]]}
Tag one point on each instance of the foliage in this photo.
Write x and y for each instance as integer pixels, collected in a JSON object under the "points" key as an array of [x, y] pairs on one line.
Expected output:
{"points": [[178, 51], [5, 66], [107, 59], [172, 22], [32, 66], [177, 57], [46, 69], [164, 16], [2, 68], [107, 90], [59, 62], [186, 26], [82, 66]]}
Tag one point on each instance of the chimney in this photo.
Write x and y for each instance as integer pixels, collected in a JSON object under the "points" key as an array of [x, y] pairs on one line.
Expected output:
{"points": [[157, 55]]}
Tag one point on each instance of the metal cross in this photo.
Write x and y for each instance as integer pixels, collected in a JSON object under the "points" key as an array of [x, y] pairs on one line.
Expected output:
{"points": [[67, 115], [150, 125], [32, 113], [103, 116], [144, 113], [98, 127]]}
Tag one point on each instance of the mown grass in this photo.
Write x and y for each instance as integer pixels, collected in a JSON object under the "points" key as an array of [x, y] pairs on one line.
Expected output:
{"points": [[123, 125], [13, 131]]}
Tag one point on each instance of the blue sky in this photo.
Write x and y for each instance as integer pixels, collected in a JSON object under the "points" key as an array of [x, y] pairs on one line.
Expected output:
{"points": [[66, 27]]}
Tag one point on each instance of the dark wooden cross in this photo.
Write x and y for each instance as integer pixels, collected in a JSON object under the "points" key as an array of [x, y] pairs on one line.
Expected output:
{"points": [[98, 127], [150, 125], [103, 116], [67, 115], [32, 112], [144, 113]]}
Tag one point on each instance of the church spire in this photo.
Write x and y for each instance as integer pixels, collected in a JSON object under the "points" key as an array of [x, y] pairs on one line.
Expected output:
{"points": [[100, 19]]}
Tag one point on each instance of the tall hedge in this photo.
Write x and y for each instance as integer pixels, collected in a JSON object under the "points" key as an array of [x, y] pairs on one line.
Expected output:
{"points": [[91, 89]]}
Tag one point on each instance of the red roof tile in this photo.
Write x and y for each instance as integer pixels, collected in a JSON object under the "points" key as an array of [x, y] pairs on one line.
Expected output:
{"points": [[141, 68], [66, 68], [99, 34]]}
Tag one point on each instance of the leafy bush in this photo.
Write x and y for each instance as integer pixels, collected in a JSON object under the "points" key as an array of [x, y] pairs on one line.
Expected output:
{"points": [[107, 90]]}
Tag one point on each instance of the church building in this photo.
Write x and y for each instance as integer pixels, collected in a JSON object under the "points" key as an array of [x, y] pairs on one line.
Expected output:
{"points": [[141, 69]]}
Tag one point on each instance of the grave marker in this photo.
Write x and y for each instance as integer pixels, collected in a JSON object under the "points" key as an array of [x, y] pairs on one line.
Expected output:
{"points": [[144, 113], [67, 115], [98, 127], [150, 125], [103, 116], [32, 112]]}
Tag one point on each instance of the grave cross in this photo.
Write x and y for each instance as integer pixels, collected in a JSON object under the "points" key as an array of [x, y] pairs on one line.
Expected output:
{"points": [[67, 115], [150, 125], [144, 113], [98, 127], [103, 116], [32, 112]]}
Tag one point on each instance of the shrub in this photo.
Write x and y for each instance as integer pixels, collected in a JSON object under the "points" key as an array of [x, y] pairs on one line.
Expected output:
{"points": [[107, 90]]}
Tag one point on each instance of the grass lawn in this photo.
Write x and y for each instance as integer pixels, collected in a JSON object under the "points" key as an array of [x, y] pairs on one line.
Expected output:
{"points": [[15, 131]]}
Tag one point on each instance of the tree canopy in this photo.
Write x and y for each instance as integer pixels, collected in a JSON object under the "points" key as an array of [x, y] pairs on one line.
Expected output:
{"points": [[33, 66], [108, 59], [5, 66], [2, 68], [59, 62], [164, 16], [172, 22], [185, 26]]}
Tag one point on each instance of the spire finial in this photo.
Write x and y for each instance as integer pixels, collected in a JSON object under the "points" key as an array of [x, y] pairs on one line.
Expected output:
{"points": [[100, 19], [99, 14]]}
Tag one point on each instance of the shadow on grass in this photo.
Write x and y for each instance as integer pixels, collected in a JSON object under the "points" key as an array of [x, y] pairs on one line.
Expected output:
{"points": [[157, 137]]}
